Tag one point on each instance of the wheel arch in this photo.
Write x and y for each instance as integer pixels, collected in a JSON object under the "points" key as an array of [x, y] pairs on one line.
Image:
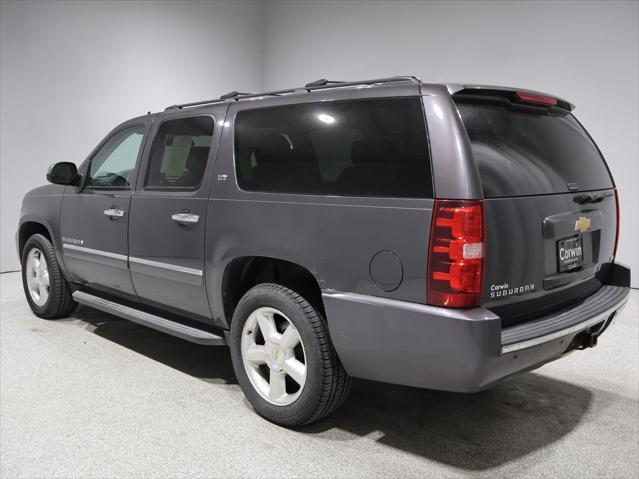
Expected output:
{"points": [[29, 228], [30, 225], [242, 273]]}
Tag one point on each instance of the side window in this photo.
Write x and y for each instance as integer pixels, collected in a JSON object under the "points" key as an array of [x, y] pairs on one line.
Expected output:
{"points": [[113, 166], [352, 148], [180, 152]]}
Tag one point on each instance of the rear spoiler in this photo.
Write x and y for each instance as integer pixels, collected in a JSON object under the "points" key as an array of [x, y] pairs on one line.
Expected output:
{"points": [[513, 95]]}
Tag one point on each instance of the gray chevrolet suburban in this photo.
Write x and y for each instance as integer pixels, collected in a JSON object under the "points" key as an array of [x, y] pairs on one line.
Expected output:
{"points": [[437, 236]]}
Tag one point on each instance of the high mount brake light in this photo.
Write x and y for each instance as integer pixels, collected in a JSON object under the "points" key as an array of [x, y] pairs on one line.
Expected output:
{"points": [[535, 98], [456, 253]]}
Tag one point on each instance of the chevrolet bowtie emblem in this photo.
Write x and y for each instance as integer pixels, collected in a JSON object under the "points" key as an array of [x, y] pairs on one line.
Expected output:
{"points": [[582, 224]]}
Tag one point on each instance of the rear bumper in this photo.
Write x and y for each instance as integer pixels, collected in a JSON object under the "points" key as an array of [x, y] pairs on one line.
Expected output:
{"points": [[453, 350], [594, 310]]}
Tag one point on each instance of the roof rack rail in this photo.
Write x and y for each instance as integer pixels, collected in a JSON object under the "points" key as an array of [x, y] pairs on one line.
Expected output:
{"points": [[315, 85], [321, 82], [232, 94]]}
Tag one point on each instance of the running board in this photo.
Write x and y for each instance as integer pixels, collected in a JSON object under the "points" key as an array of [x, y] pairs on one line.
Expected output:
{"points": [[151, 320]]}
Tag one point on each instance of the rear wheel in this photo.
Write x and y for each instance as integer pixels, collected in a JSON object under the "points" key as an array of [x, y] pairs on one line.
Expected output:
{"points": [[283, 357], [47, 291]]}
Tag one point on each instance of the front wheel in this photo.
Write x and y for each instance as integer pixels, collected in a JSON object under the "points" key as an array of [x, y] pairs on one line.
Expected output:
{"points": [[283, 358], [45, 287]]}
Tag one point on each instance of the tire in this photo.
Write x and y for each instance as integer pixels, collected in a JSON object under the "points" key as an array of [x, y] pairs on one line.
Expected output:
{"points": [[325, 383], [46, 301]]}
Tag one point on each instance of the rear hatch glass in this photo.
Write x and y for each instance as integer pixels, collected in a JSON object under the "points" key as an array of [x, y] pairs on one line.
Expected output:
{"points": [[550, 210], [522, 153]]}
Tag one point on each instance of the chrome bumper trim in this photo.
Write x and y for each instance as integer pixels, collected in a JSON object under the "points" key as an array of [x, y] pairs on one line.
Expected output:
{"points": [[599, 317]]}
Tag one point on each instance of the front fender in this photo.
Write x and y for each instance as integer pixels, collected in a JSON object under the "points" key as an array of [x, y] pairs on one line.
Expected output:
{"points": [[42, 206]]}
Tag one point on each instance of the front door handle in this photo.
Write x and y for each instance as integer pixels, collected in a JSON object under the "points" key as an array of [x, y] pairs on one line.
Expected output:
{"points": [[185, 218], [114, 212]]}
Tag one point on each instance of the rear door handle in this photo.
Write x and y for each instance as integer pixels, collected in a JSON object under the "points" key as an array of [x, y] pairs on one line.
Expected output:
{"points": [[185, 218], [114, 212]]}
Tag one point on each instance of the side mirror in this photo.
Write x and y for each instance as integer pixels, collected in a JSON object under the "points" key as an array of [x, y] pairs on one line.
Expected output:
{"points": [[63, 173]]}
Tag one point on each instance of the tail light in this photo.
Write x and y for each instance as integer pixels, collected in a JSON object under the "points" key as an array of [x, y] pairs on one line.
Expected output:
{"points": [[456, 253], [614, 254]]}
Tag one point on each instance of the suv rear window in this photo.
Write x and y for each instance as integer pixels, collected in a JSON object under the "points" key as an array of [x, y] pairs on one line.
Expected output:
{"points": [[522, 152], [353, 148], [180, 153]]}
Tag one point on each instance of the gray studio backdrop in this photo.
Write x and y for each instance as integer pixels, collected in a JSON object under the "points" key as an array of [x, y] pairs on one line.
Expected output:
{"points": [[70, 71]]}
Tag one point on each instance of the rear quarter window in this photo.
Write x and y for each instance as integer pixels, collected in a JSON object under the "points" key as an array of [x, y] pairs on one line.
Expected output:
{"points": [[352, 148], [525, 152]]}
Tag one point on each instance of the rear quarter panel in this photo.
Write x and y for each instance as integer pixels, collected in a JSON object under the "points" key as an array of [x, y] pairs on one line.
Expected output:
{"points": [[335, 238]]}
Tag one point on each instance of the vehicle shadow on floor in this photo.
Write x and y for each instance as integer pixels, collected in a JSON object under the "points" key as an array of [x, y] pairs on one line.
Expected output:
{"points": [[469, 431], [208, 363]]}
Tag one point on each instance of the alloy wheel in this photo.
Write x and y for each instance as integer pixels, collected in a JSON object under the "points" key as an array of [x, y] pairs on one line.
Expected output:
{"points": [[37, 277], [273, 356]]}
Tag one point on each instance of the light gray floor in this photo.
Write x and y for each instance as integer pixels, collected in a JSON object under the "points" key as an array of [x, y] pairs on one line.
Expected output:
{"points": [[96, 396]]}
